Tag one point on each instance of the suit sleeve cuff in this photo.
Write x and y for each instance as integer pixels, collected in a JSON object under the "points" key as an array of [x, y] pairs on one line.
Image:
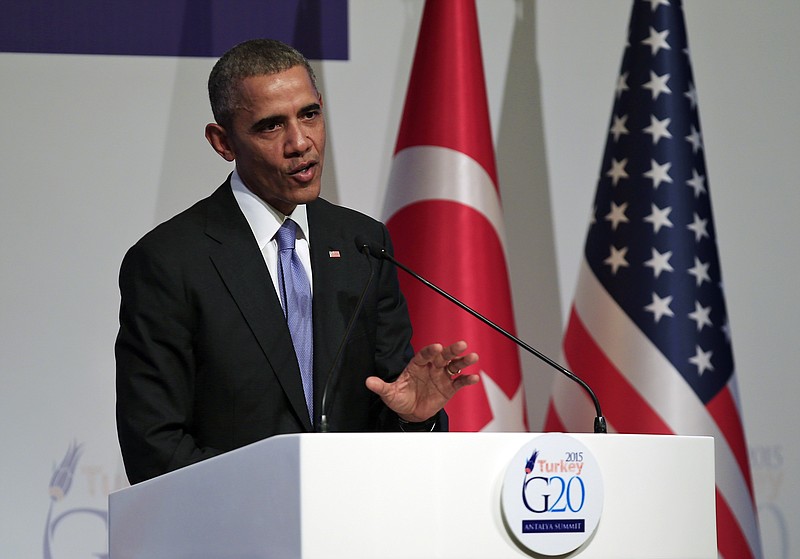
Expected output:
{"points": [[417, 427]]}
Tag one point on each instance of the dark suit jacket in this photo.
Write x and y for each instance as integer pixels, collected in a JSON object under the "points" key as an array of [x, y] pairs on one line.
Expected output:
{"points": [[205, 362]]}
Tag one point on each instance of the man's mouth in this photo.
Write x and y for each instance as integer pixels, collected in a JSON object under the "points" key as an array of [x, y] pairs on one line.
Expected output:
{"points": [[303, 168]]}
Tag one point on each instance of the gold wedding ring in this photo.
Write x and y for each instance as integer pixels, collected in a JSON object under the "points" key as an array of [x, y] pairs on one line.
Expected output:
{"points": [[450, 371]]}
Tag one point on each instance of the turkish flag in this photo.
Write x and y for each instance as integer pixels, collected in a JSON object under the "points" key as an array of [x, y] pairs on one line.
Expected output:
{"points": [[444, 213]]}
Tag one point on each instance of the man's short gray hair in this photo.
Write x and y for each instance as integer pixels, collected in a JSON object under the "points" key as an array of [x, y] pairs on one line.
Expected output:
{"points": [[257, 57]]}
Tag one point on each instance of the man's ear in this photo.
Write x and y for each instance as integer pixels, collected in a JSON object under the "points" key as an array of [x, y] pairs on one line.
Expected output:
{"points": [[217, 136]]}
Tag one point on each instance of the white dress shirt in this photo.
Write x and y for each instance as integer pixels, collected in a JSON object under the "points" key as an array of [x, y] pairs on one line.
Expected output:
{"points": [[265, 221]]}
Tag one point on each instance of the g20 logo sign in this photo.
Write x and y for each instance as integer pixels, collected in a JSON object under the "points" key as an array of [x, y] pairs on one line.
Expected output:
{"points": [[570, 494], [552, 494]]}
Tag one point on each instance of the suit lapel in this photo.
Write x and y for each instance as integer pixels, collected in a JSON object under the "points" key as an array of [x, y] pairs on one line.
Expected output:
{"points": [[241, 266], [332, 254]]}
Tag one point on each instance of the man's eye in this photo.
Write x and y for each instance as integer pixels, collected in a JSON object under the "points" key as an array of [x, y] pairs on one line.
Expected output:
{"points": [[267, 126]]}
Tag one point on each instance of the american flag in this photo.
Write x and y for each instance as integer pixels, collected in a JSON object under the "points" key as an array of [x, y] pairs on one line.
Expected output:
{"points": [[648, 327]]}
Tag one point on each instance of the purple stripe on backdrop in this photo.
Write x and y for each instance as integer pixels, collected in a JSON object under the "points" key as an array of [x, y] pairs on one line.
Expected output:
{"points": [[318, 28]]}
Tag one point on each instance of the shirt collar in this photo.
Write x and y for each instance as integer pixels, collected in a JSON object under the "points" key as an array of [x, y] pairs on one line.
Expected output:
{"points": [[264, 220]]}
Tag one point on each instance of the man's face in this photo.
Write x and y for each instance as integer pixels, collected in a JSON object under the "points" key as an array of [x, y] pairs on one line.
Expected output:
{"points": [[276, 137]]}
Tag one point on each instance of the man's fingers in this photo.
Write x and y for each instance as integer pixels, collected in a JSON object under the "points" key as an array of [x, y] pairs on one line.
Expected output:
{"points": [[458, 364], [440, 355], [428, 354], [446, 357], [456, 349], [452, 351], [465, 380], [377, 385]]}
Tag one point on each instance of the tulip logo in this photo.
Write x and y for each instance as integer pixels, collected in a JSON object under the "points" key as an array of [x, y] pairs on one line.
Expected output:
{"points": [[60, 485]]}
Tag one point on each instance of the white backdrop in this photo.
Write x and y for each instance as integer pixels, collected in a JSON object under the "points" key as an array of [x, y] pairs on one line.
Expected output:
{"points": [[95, 150]]}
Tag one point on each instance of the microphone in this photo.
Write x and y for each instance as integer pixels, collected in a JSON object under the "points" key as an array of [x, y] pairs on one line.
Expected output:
{"points": [[381, 253], [323, 421]]}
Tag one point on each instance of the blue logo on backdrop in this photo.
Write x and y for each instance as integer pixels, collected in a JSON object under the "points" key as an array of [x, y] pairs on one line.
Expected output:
{"points": [[317, 28], [60, 485]]}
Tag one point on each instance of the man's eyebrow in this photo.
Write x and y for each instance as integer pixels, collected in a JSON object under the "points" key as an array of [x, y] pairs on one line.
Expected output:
{"points": [[311, 107]]}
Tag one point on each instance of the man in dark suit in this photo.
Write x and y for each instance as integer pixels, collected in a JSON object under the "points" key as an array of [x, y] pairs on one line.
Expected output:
{"points": [[206, 362]]}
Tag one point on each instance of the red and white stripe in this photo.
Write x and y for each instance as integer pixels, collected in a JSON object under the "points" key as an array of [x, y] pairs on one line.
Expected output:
{"points": [[445, 216], [641, 392]]}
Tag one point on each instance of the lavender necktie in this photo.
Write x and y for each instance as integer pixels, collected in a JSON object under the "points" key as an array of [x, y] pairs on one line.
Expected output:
{"points": [[295, 293]]}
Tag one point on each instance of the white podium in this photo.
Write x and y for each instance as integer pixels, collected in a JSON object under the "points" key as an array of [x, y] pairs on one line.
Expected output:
{"points": [[408, 496]]}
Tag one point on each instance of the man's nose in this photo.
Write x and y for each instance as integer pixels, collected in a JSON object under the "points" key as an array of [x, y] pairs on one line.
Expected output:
{"points": [[297, 141]]}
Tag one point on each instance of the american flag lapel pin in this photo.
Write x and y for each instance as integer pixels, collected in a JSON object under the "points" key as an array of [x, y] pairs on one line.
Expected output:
{"points": [[334, 254]]}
